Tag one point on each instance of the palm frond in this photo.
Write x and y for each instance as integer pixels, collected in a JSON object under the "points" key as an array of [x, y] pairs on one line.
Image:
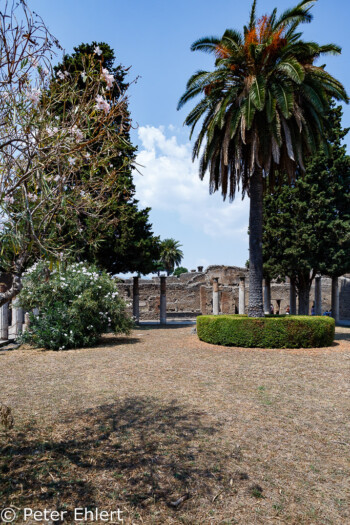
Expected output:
{"points": [[252, 17], [292, 69], [298, 14], [207, 44], [258, 92]]}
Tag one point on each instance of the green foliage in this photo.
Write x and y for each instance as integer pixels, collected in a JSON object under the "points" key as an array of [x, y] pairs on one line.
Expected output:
{"points": [[261, 111], [128, 244], [307, 224], [170, 255], [76, 305], [178, 271], [263, 105], [266, 332]]}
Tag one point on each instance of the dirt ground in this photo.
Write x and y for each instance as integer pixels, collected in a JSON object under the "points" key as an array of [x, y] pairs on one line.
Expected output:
{"points": [[171, 430]]}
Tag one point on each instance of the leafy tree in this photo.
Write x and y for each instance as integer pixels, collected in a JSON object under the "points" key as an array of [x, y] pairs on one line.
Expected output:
{"points": [[178, 271], [42, 153], [170, 254], [262, 111], [127, 244], [307, 225]]}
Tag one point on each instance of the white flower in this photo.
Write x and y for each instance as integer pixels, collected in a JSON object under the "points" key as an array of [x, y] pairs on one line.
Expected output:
{"points": [[83, 76], [98, 51], [60, 75], [72, 161]]}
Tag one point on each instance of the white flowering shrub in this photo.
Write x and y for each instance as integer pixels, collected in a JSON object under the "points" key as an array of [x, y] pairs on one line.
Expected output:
{"points": [[76, 305]]}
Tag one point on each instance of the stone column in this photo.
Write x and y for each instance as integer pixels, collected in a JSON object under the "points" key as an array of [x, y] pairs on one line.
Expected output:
{"points": [[4, 322], [4, 316], [162, 305], [17, 318], [318, 296], [267, 296], [26, 322], [241, 297], [216, 296], [292, 299], [335, 299], [136, 300]]}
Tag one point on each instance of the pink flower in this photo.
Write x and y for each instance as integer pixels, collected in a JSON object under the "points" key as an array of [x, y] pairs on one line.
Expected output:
{"points": [[51, 131], [33, 95], [78, 133], [107, 77], [9, 199], [102, 104]]}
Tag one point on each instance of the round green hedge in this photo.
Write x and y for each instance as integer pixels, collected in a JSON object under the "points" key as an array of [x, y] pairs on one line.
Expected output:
{"points": [[266, 332]]}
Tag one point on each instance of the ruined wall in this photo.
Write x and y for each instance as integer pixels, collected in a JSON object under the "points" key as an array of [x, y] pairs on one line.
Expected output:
{"points": [[191, 293]]}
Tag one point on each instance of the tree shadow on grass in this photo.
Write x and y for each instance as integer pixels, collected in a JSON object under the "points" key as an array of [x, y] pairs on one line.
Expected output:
{"points": [[140, 453]]}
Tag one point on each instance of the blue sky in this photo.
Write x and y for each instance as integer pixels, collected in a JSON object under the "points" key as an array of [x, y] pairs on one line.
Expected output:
{"points": [[154, 37]]}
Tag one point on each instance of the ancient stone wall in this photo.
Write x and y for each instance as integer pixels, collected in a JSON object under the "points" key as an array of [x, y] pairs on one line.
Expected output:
{"points": [[191, 294]]}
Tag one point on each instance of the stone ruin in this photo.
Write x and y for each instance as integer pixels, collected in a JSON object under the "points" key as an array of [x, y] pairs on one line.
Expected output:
{"points": [[191, 294], [218, 290]]}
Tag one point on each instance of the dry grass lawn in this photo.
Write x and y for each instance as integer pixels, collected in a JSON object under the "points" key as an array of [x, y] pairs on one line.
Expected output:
{"points": [[172, 430]]}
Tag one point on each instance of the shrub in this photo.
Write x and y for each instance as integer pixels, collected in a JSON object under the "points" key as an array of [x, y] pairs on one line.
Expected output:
{"points": [[266, 332], [179, 270], [76, 305]]}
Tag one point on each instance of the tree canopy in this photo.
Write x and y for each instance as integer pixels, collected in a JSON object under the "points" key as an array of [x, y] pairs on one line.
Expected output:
{"points": [[170, 255], [307, 225], [127, 244], [43, 153]]}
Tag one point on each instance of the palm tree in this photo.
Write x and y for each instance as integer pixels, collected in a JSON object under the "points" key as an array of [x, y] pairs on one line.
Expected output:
{"points": [[170, 254], [262, 111]]}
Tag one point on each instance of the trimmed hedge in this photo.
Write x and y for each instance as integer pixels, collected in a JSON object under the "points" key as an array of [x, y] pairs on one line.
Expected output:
{"points": [[266, 332]]}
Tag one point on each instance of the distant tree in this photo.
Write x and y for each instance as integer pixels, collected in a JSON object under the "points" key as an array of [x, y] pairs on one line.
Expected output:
{"points": [[261, 110], [127, 244], [307, 225], [178, 271], [170, 255]]}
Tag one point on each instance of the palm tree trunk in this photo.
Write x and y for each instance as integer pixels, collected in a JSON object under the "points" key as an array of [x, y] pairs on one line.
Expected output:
{"points": [[255, 307]]}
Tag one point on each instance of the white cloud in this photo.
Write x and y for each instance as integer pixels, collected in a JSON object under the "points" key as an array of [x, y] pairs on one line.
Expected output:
{"points": [[170, 182]]}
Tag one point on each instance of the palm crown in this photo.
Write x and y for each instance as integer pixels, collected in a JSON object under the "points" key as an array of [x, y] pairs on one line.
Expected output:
{"points": [[170, 254], [263, 105]]}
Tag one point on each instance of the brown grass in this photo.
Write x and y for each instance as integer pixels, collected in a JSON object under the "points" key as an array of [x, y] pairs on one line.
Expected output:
{"points": [[228, 435]]}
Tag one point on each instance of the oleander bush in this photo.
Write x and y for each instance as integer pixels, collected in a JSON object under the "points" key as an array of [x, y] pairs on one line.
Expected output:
{"points": [[77, 303], [266, 332]]}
